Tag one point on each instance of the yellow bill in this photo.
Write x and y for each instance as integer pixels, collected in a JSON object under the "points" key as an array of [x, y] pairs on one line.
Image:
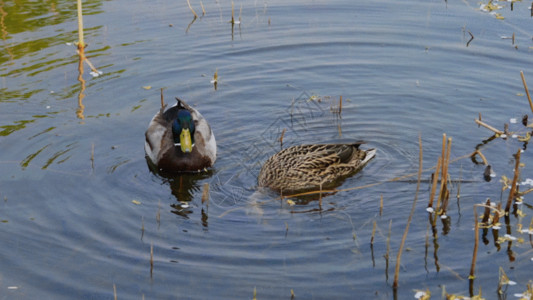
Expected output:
{"points": [[185, 140]]}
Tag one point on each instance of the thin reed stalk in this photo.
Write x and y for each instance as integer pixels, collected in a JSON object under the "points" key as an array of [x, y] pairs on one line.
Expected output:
{"points": [[481, 123], [373, 232], [512, 192], [399, 256], [162, 99], [435, 180], [527, 90], [192, 9], [151, 259], [476, 245], [381, 205], [81, 42]]}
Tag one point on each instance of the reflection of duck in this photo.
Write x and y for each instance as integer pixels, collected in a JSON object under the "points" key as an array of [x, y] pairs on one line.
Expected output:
{"points": [[180, 140], [317, 166]]}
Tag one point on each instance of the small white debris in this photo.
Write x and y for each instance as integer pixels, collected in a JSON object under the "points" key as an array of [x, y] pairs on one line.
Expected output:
{"points": [[420, 294], [523, 296], [510, 282], [528, 231], [97, 73], [503, 136], [513, 120], [528, 181], [496, 227], [444, 217], [184, 205], [514, 136], [510, 237], [430, 210], [12, 287], [69, 44], [48, 107]]}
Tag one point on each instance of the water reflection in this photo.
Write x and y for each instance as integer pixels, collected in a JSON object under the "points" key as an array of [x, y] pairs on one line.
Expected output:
{"points": [[183, 187]]}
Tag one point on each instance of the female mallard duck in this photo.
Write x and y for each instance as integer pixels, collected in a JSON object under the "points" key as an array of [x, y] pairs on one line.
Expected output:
{"points": [[180, 140], [309, 167]]}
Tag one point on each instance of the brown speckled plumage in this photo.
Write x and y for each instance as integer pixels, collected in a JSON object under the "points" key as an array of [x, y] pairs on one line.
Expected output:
{"points": [[307, 167]]}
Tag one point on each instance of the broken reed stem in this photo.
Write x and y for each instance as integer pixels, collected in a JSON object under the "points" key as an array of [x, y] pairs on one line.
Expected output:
{"points": [[481, 123], [193, 12], [512, 192], [476, 244], [527, 91], [114, 291], [81, 42], [434, 184], [399, 256]]}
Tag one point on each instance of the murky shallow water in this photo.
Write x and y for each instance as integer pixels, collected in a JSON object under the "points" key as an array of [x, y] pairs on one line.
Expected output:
{"points": [[71, 170]]}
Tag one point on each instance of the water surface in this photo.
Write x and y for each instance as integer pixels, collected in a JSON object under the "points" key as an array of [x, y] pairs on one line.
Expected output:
{"points": [[73, 170]]}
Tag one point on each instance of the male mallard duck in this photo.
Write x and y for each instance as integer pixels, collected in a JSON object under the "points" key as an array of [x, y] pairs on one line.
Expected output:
{"points": [[180, 140], [309, 167]]}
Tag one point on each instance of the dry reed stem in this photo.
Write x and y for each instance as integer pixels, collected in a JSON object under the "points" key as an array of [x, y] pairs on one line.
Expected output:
{"points": [[483, 158], [142, 227], [435, 180], [158, 214], [193, 12], [486, 213], [90, 64], [481, 123], [476, 244], [340, 105], [399, 256], [92, 156], [114, 291], [162, 99], [443, 176], [496, 218], [381, 205], [203, 9], [525, 87], [81, 42], [281, 137], [512, 192], [151, 259], [232, 13], [373, 232]]}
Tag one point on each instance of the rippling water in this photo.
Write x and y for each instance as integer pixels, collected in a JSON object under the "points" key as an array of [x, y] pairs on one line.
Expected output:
{"points": [[80, 210]]}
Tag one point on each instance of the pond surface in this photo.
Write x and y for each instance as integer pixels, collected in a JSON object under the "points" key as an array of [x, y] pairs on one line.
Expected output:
{"points": [[80, 210]]}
